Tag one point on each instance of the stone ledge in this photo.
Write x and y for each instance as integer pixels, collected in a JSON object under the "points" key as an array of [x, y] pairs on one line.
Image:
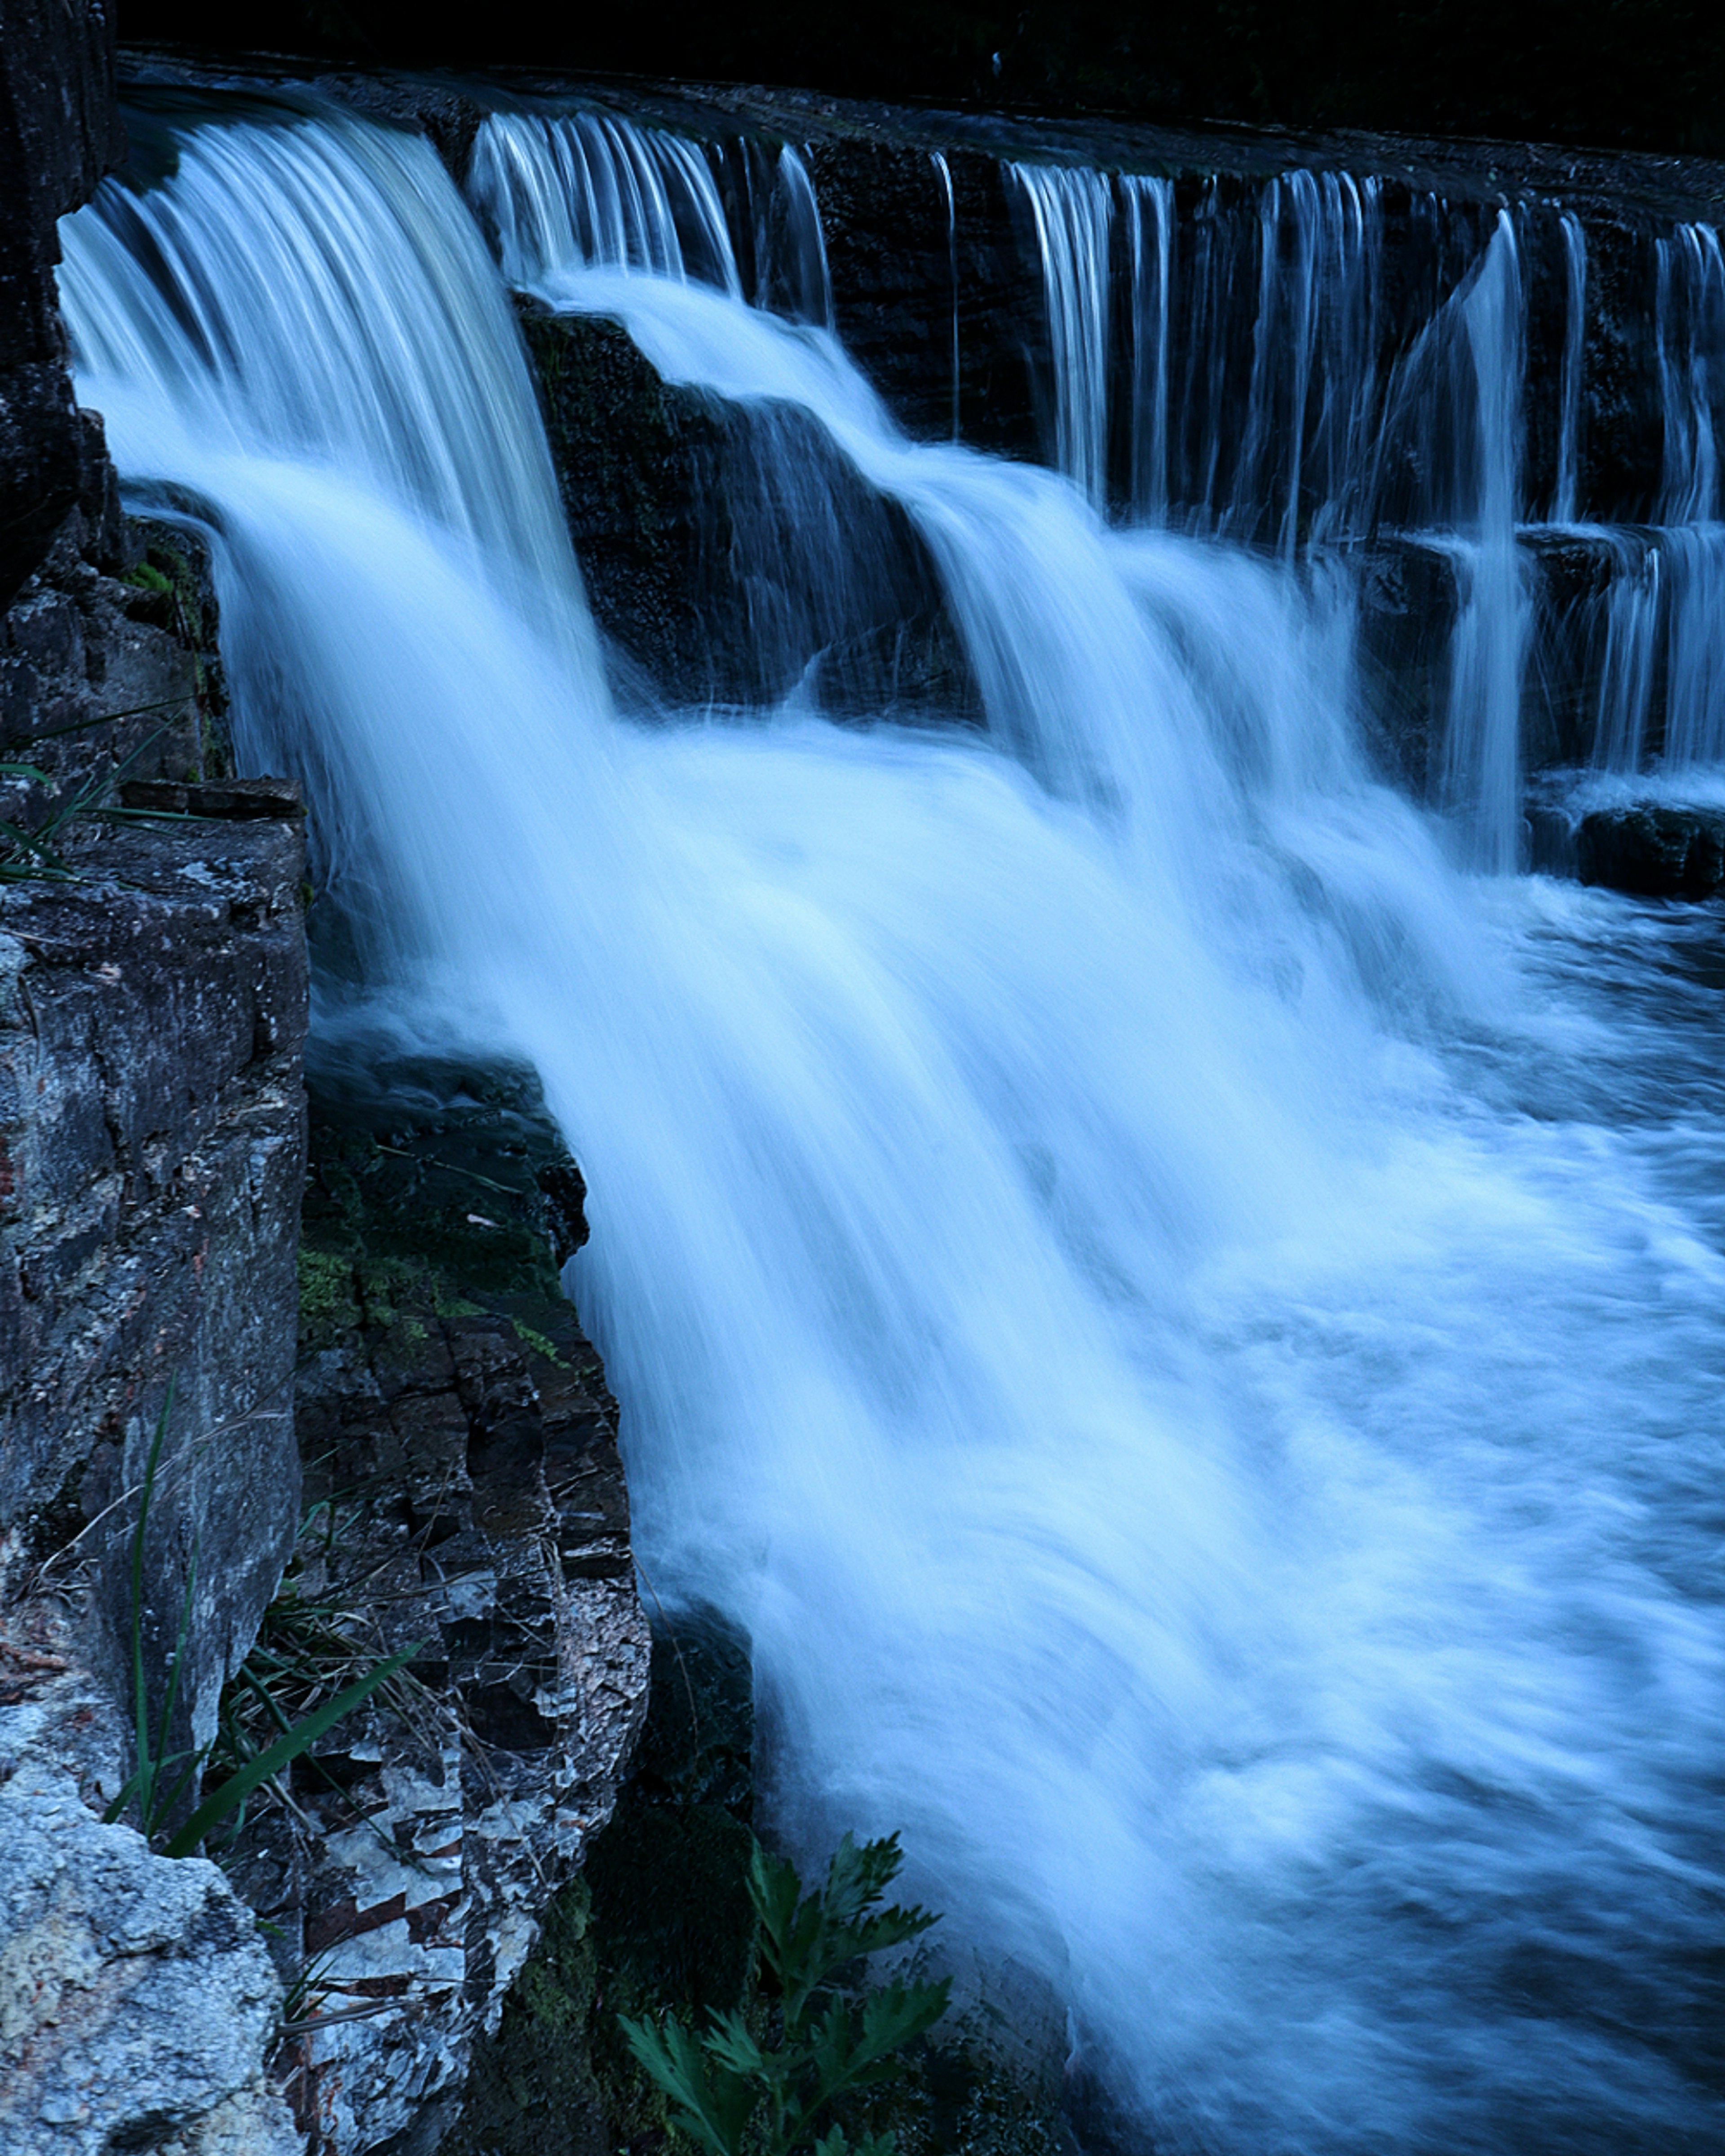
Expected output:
{"points": [[1653, 851]]}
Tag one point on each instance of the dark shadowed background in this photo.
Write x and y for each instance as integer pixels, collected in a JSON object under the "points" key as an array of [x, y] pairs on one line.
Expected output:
{"points": [[1648, 74]]}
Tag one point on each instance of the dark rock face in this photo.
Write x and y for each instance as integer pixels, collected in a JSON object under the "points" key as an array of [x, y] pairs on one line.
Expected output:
{"points": [[1653, 851], [900, 266], [154, 1011], [1408, 601], [730, 549], [152, 1008], [152, 1133], [59, 132], [107, 665], [465, 1499], [661, 1915]]}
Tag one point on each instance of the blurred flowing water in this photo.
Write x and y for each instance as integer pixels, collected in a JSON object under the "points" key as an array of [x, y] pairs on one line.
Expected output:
{"points": [[1189, 1331]]}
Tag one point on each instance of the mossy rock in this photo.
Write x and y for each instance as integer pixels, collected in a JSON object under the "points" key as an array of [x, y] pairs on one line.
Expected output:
{"points": [[175, 591], [417, 1210], [532, 2090]]}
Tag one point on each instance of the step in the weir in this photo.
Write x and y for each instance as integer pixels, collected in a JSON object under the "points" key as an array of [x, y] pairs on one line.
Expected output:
{"points": [[1653, 849]]}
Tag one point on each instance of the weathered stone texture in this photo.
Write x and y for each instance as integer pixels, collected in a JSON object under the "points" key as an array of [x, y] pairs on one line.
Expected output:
{"points": [[151, 1146], [59, 131], [479, 1515], [136, 1999]]}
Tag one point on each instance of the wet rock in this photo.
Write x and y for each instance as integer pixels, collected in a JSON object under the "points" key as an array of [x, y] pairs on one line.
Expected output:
{"points": [[1653, 851], [699, 1743], [659, 1915], [1408, 599], [732, 549], [465, 1501], [899, 268], [234, 800], [59, 132]]}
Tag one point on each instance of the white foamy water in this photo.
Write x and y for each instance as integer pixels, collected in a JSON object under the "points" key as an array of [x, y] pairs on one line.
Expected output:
{"points": [[1190, 1335]]}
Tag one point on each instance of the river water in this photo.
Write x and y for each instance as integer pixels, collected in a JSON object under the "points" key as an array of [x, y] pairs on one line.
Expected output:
{"points": [[1183, 1318]]}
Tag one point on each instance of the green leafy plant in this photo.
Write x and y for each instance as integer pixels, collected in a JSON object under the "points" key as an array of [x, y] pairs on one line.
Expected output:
{"points": [[730, 2090], [154, 1787]]}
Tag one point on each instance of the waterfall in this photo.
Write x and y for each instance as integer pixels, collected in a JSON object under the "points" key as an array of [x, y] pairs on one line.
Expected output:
{"points": [[1072, 211], [790, 248], [586, 187], [1691, 332], [1186, 1336], [1634, 612], [1564, 505], [1288, 456], [1695, 663], [1662, 677], [1482, 736], [554, 190], [1266, 405], [943, 173], [1150, 221]]}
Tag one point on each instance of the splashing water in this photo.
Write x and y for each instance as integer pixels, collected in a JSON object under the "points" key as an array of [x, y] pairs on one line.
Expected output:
{"points": [[1191, 1338]]}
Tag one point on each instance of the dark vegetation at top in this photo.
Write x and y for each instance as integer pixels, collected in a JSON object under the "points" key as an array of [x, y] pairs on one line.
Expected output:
{"points": [[1647, 74]]}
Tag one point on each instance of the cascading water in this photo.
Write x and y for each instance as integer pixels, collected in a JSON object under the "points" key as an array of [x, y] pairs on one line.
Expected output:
{"points": [[1288, 454], [1150, 222], [1692, 354], [943, 173], [1632, 654], [587, 186], [1271, 401], [1568, 494], [1320, 444], [1190, 1338], [791, 249], [1483, 736], [550, 189], [1071, 210], [1662, 680]]}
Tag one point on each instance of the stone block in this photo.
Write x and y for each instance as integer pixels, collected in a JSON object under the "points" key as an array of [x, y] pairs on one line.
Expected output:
{"points": [[1653, 850], [137, 2001]]}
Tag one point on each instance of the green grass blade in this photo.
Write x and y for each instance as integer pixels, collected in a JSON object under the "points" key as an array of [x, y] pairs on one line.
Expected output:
{"points": [[144, 1775], [160, 1807], [282, 1752]]}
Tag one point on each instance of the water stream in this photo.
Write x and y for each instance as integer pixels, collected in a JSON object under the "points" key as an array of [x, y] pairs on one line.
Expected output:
{"points": [[1189, 1331]]}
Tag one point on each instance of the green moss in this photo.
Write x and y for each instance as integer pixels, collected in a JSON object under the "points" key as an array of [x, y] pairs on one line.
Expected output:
{"points": [[532, 2090], [538, 1342], [174, 566], [400, 1232], [328, 1303]]}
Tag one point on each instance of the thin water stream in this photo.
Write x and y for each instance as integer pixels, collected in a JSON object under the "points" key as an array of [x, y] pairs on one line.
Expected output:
{"points": [[1189, 1331]]}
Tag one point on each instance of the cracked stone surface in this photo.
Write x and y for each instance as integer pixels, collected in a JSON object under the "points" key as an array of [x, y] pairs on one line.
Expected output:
{"points": [[477, 1514], [136, 1999]]}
